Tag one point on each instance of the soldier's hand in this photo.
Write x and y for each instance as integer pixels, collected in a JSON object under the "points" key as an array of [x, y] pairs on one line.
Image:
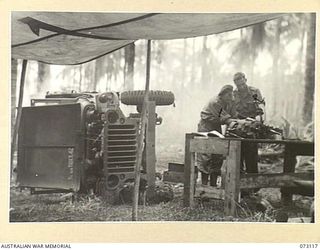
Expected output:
{"points": [[242, 121], [246, 122], [259, 111]]}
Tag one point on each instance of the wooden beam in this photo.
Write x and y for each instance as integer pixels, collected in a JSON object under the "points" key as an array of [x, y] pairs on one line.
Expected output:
{"points": [[232, 178], [203, 191], [17, 124], [302, 148], [171, 176], [189, 174], [176, 167], [289, 164], [271, 154], [273, 180], [150, 148], [209, 145], [14, 66], [143, 122]]}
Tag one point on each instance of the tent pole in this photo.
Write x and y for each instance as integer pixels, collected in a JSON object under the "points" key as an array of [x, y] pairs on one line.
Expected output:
{"points": [[143, 122], [17, 123]]}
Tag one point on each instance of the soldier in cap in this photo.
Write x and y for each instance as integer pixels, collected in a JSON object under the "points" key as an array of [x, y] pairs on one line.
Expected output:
{"points": [[218, 111], [247, 101]]}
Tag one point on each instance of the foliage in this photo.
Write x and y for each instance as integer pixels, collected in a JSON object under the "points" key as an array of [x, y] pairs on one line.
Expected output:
{"points": [[292, 131], [310, 70]]}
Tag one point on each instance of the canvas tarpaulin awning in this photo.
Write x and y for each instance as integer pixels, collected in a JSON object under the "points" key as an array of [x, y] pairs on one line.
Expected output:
{"points": [[77, 37]]}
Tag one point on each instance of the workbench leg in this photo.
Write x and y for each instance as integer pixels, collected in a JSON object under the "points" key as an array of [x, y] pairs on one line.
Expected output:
{"points": [[289, 165], [189, 174], [232, 178]]}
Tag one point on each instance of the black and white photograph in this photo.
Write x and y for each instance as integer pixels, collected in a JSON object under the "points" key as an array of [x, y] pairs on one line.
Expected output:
{"points": [[162, 117]]}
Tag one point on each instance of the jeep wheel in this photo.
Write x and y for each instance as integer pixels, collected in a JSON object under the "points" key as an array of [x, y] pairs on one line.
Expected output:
{"points": [[135, 97]]}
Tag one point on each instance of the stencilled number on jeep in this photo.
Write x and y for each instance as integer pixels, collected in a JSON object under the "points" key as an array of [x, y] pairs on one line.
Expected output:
{"points": [[70, 162]]}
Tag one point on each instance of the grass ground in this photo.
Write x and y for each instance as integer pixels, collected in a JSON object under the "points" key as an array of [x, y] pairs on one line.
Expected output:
{"points": [[25, 207], [57, 207]]}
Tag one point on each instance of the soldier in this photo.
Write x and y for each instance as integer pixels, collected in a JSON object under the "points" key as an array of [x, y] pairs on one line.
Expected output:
{"points": [[217, 112], [247, 100]]}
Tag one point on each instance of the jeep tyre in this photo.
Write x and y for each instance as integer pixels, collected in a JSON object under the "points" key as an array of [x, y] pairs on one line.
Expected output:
{"points": [[135, 97]]}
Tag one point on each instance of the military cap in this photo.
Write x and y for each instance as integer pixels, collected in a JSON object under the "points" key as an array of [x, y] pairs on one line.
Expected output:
{"points": [[238, 75], [225, 89]]}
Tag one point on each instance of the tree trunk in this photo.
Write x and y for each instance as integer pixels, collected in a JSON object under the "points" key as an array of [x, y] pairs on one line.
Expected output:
{"points": [[43, 72], [193, 67], [129, 55], [99, 71], [251, 69], [275, 66], [183, 66], [110, 68], [89, 76], [297, 101], [117, 56], [310, 70], [239, 63], [204, 64], [80, 78]]}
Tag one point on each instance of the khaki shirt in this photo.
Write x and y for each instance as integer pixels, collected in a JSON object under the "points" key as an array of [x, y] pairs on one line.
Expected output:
{"points": [[245, 104], [214, 114]]}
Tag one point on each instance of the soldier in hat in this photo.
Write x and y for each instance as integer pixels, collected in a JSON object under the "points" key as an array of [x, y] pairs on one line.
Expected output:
{"points": [[218, 111], [247, 101]]}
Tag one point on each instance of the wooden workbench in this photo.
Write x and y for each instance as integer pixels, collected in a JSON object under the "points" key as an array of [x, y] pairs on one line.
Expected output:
{"points": [[231, 149]]}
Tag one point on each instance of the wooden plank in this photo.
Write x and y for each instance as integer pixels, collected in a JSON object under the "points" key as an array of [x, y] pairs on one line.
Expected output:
{"points": [[176, 167], [141, 137], [302, 148], [189, 174], [150, 148], [204, 192], [232, 178], [273, 141], [14, 66], [271, 154], [19, 112], [171, 176], [273, 180], [209, 145], [289, 164], [300, 190]]}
